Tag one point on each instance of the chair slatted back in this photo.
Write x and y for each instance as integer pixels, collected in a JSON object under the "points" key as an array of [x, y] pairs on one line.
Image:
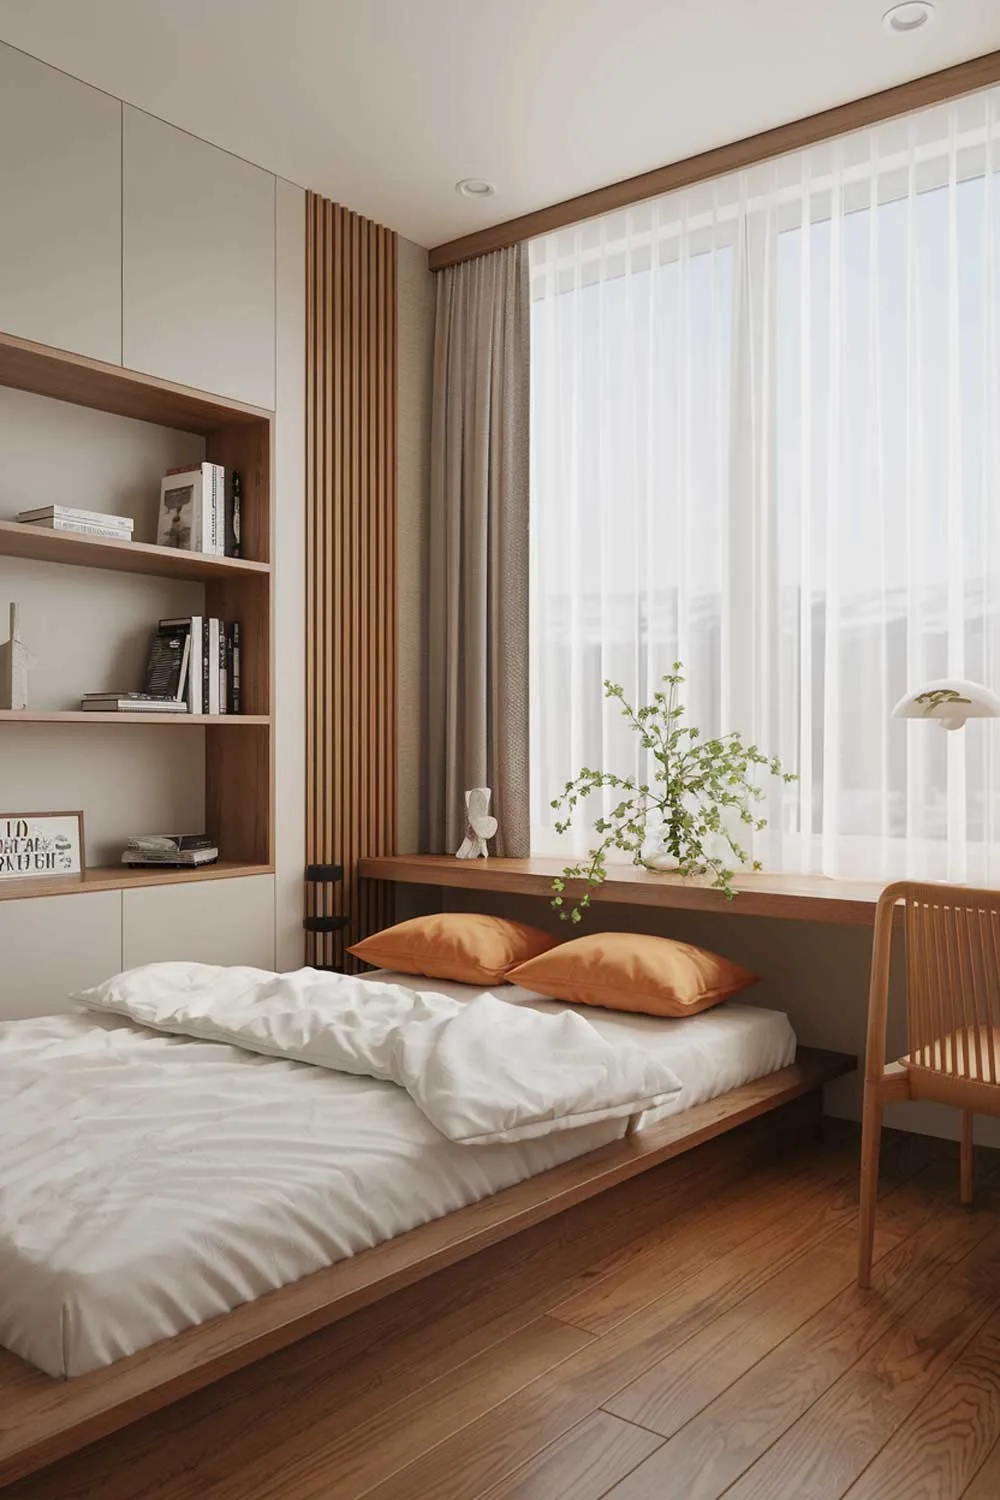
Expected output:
{"points": [[952, 936]]}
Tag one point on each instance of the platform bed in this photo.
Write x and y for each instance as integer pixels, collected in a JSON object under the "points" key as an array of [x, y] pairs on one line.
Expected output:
{"points": [[43, 1419]]}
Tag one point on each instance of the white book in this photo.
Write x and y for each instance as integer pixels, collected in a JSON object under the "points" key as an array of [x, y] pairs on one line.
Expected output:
{"points": [[218, 510], [81, 528], [71, 513]]}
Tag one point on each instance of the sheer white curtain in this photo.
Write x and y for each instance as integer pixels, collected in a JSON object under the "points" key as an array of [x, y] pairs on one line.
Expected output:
{"points": [[766, 442]]}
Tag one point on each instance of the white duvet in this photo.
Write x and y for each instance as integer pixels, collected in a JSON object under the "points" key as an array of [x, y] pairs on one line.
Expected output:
{"points": [[149, 1181], [483, 1071]]}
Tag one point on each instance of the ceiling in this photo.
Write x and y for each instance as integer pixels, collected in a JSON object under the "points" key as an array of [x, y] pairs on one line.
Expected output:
{"points": [[384, 104]]}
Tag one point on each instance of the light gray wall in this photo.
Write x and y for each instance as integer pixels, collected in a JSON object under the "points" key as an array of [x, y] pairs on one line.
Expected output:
{"points": [[415, 310]]}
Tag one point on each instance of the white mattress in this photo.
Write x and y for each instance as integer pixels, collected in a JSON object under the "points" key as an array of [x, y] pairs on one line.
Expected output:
{"points": [[150, 1182]]}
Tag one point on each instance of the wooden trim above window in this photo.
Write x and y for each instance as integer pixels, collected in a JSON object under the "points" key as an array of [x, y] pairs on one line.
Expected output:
{"points": [[918, 93]]}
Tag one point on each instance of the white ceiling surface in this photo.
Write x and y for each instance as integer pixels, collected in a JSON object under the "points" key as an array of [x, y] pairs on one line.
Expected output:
{"points": [[384, 104]]}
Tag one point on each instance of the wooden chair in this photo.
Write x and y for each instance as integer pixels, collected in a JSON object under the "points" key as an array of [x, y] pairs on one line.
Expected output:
{"points": [[951, 936]]}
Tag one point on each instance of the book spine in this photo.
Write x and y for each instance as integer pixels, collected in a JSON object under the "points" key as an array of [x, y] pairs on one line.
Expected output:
{"points": [[235, 687], [212, 656], [82, 528], [220, 509], [209, 472], [196, 671], [70, 513], [235, 514], [223, 667]]}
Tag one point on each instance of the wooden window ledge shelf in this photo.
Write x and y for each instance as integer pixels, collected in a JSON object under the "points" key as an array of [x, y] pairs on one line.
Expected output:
{"points": [[121, 877], [809, 898]]}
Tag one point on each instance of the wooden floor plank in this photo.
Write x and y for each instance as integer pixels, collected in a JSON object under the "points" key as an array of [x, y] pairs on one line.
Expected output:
{"points": [[828, 1448], [582, 1465], [633, 1278], [711, 1449], [515, 1432], [986, 1485], [938, 1451], [678, 1387]]}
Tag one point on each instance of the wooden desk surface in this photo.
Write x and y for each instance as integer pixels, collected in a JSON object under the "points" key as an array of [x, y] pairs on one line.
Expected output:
{"points": [[809, 898]]}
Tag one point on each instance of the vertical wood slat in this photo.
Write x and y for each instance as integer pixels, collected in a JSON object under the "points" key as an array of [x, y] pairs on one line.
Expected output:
{"points": [[351, 563]]}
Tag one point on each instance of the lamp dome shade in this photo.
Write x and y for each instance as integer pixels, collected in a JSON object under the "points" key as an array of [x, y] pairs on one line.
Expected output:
{"points": [[949, 700]]}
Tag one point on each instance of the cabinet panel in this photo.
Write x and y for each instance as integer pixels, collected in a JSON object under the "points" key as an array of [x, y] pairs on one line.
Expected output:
{"points": [[198, 276], [220, 922], [60, 209], [53, 945]]}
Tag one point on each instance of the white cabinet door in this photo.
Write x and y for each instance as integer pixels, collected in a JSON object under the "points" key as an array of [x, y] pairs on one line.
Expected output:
{"points": [[210, 922], [198, 279], [60, 209], [53, 945]]}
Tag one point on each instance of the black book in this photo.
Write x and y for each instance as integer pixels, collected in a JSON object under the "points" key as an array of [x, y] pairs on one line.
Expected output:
{"points": [[234, 515], [167, 662], [233, 655]]}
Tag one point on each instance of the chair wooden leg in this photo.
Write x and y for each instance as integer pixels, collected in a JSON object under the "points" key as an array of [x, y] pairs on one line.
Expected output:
{"points": [[966, 1156], [871, 1143]]}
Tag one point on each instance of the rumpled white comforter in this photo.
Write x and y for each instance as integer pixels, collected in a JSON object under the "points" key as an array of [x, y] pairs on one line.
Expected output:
{"points": [[483, 1072]]}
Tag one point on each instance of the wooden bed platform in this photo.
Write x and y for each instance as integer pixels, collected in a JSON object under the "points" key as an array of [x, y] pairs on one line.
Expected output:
{"points": [[42, 1419]]}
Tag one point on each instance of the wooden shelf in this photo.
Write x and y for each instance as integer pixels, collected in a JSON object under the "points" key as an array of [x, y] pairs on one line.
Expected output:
{"points": [[120, 878], [81, 716], [76, 550], [809, 898]]}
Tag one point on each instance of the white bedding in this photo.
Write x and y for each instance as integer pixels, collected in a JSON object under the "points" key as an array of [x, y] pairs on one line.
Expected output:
{"points": [[149, 1182], [483, 1071]]}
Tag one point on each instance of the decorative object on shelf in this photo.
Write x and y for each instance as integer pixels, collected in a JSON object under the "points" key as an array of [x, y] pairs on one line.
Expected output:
{"points": [[481, 826], [949, 700], [178, 851], [45, 845], [83, 522], [699, 787], [16, 662]]}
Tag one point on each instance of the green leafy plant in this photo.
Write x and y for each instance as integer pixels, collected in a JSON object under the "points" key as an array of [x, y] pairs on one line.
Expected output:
{"points": [[700, 790]]}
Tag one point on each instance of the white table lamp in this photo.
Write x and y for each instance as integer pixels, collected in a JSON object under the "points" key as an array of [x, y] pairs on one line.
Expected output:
{"points": [[949, 700]]}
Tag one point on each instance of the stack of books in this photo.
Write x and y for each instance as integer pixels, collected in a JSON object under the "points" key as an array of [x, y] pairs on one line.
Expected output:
{"points": [[193, 667], [84, 522], [196, 514], [173, 850], [131, 703], [205, 663]]}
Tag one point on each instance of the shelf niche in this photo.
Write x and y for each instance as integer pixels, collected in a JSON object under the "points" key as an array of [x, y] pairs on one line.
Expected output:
{"points": [[57, 450]]}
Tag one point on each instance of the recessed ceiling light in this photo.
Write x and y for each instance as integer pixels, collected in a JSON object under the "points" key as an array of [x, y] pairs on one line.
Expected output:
{"points": [[912, 15], [475, 187]]}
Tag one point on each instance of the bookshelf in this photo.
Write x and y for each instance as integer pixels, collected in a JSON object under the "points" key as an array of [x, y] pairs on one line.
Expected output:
{"points": [[238, 755]]}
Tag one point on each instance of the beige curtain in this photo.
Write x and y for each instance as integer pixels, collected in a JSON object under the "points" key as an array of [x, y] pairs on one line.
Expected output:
{"points": [[477, 709]]}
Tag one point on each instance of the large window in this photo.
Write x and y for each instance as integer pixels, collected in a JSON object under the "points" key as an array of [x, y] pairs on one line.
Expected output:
{"points": [[766, 442]]}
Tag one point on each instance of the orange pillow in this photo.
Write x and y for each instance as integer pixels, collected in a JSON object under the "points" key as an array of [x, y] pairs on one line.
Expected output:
{"points": [[454, 945], [633, 971]]}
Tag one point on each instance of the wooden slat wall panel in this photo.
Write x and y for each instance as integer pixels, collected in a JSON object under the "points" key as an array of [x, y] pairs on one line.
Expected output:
{"points": [[351, 564]]}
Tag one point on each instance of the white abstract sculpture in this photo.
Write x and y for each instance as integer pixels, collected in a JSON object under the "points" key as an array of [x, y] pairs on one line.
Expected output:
{"points": [[949, 700], [481, 825], [15, 662]]}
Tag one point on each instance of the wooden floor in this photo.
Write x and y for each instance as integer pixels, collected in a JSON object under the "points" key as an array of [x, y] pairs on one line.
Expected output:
{"points": [[694, 1333]]}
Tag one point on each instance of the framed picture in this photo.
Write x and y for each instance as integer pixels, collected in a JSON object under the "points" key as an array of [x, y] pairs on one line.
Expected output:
{"points": [[41, 846]]}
